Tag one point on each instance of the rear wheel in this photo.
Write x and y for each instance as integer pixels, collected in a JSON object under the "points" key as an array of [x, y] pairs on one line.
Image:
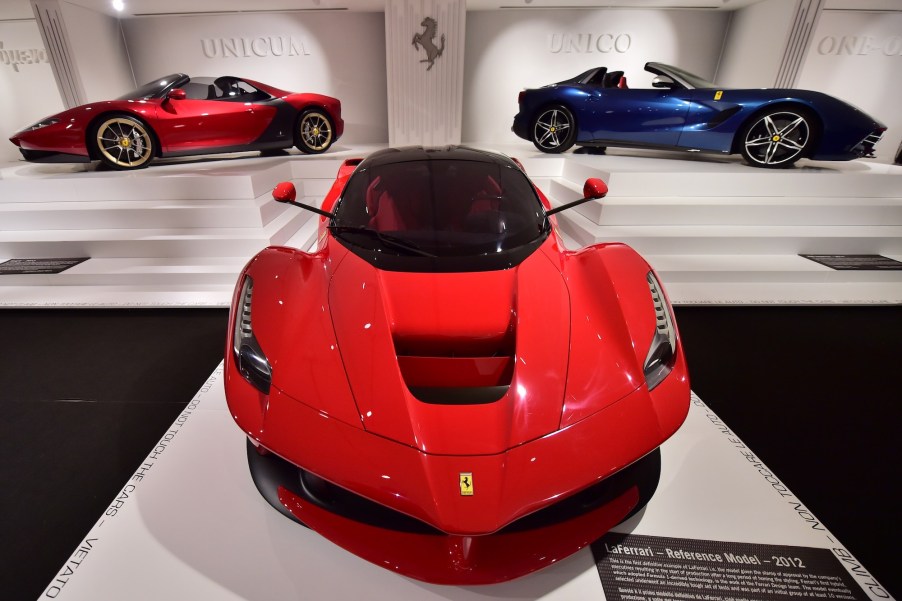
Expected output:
{"points": [[554, 130], [777, 139], [314, 133], [123, 142]]}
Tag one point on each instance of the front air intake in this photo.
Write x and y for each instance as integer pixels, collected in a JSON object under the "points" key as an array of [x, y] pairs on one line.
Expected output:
{"points": [[458, 372]]}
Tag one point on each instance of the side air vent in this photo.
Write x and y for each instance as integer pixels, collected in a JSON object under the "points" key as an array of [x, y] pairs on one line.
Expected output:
{"points": [[244, 318], [865, 148], [722, 116], [251, 360], [661, 354]]}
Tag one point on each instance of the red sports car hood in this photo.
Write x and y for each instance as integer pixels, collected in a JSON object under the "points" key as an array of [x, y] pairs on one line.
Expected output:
{"points": [[460, 363]]}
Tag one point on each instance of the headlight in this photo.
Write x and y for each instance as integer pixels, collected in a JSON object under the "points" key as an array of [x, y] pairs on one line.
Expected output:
{"points": [[662, 352], [252, 362], [43, 123]]}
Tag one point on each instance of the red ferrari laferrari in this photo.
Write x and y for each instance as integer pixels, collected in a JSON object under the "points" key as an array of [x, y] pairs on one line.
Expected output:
{"points": [[439, 386], [179, 115]]}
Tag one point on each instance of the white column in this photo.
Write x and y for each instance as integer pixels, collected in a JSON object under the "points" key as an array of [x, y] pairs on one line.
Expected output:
{"points": [[424, 46], [803, 25], [59, 51]]}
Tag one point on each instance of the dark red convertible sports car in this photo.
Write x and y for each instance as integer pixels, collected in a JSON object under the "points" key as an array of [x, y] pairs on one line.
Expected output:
{"points": [[440, 386], [179, 115]]}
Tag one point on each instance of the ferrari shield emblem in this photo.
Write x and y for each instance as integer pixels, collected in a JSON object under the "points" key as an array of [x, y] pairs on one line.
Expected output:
{"points": [[718, 94], [466, 484]]}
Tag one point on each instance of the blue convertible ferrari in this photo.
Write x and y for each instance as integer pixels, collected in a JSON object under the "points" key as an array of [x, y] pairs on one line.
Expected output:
{"points": [[769, 127]]}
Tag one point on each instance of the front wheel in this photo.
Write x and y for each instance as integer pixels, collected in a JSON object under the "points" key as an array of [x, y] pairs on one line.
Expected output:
{"points": [[777, 139], [123, 142], [314, 132], [554, 130]]}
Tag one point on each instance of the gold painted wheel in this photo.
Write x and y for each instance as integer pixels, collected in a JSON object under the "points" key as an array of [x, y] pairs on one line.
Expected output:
{"points": [[314, 134], [124, 143]]}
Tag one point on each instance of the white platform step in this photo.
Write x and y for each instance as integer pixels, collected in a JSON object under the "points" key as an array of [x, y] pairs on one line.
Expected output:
{"points": [[716, 230], [118, 296], [713, 210], [771, 279], [738, 239], [148, 213], [157, 242], [139, 271], [218, 179]]}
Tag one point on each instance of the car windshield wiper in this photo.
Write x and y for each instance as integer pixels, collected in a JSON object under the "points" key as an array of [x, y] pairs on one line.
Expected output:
{"points": [[387, 239]]}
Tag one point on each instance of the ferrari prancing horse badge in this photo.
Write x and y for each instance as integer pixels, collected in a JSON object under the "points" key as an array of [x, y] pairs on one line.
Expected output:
{"points": [[466, 484]]}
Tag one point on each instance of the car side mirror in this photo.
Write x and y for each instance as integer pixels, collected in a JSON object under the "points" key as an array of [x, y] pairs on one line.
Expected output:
{"points": [[662, 81], [176, 94], [595, 188], [284, 192]]}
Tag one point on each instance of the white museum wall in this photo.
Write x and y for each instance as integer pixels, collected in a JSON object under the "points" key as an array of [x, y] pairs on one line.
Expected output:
{"points": [[507, 51], [857, 57], [340, 54], [99, 52], [755, 43], [27, 88]]}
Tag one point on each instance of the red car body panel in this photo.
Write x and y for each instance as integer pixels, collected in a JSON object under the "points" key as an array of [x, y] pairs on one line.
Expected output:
{"points": [[182, 126], [68, 135], [348, 342], [187, 125]]}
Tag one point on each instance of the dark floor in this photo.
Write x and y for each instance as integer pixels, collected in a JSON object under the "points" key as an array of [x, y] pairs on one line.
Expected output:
{"points": [[85, 395]]}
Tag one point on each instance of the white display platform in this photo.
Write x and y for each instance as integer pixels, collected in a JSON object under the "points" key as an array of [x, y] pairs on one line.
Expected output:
{"points": [[716, 230], [721, 232], [191, 525]]}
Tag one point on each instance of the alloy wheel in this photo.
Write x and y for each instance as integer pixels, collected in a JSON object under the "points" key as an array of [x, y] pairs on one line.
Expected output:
{"points": [[315, 131], [124, 143], [777, 139], [552, 129]]}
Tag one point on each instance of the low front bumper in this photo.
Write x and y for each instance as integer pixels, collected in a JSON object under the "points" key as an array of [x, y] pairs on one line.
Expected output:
{"points": [[506, 486], [46, 156], [399, 544]]}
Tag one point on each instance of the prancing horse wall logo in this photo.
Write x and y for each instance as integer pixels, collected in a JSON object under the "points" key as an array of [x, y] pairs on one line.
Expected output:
{"points": [[425, 40]]}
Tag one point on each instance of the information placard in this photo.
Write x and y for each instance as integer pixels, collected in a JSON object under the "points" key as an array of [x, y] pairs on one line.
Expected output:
{"points": [[35, 266], [856, 262], [653, 568]]}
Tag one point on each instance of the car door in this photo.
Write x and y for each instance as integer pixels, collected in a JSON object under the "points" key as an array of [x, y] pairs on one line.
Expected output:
{"points": [[214, 116], [652, 117]]}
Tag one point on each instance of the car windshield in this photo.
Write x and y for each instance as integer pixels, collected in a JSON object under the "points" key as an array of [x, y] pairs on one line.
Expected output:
{"points": [[693, 80], [222, 88], [153, 89], [440, 208]]}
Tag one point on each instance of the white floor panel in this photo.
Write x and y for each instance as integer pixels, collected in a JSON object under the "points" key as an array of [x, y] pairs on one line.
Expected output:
{"points": [[191, 525], [708, 220]]}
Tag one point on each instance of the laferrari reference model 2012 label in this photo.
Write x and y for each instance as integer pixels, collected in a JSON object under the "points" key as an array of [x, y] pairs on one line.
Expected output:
{"points": [[440, 386], [178, 115]]}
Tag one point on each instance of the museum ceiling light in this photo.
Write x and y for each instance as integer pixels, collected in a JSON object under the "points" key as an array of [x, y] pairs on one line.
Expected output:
{"points": [[118, 5]]}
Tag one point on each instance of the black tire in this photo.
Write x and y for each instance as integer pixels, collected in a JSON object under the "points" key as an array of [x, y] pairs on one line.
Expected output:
{"points": [[314, 131], [554, 129], [122, 142], [776, 139]]}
